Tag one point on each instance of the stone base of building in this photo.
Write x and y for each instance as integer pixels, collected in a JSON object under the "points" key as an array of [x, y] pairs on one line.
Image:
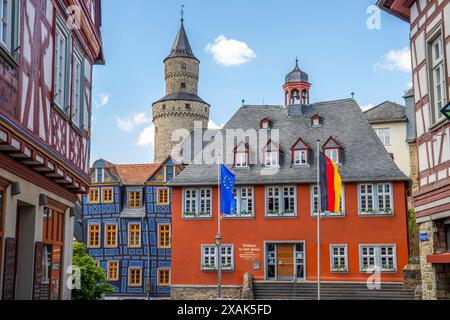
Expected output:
{"points": [[412, 279], [204, 293], [435, 277]]}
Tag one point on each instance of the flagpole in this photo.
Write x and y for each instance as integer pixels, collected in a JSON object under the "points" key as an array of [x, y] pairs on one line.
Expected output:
{"points": [[219, 236], [318, 220]]}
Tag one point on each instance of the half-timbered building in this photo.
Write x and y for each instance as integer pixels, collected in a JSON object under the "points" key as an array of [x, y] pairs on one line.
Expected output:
{"points": [[430, 49], [127, 226], [48, 49]]}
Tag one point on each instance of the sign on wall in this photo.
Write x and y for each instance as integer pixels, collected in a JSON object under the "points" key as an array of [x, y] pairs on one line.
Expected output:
{"points": [[424, 237], [9, 270], [38, 255]]}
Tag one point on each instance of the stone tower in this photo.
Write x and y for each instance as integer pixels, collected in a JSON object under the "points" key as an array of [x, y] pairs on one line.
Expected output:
{"points": [[181, 107]]}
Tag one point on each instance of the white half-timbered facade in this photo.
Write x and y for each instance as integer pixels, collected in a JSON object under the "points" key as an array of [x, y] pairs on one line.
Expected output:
{"points": [[47, 52], [430, 53]]}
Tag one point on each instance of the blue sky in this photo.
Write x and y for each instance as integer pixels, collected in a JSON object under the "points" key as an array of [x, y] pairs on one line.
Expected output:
{"points": [[252, 46]]}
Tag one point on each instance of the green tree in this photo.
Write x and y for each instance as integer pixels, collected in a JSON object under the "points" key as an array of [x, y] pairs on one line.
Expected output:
{"points": [[93, 278]]}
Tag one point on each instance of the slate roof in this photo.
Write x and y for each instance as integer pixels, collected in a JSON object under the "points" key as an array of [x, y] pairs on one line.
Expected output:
{"points": [[411, 116], [386, 112], [363, 156], [184, 96], [135, 174], [181, 46], [297, 75]]}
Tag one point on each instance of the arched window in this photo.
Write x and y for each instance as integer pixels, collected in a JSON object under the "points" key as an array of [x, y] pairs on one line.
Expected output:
{"points": [[305, 99], [295, 96]]}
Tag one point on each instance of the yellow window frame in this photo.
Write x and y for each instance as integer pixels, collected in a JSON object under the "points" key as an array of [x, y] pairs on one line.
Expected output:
{"points": [[113, 270], [111, 235], [134, 235], [94, 236], [94, 196], [107, 195], [135, 274], [164, 236], [163, 196], [164, 277], [134, 199]]}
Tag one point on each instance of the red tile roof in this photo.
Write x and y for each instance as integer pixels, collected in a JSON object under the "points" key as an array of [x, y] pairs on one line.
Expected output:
{"points": [[136, 174]]}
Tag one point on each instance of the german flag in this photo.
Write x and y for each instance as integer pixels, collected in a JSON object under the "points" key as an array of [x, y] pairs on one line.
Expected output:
{"points": [[330, 185]]}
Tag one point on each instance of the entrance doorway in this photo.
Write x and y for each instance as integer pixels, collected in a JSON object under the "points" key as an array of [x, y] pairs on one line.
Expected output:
{"points": [[285, 261]]}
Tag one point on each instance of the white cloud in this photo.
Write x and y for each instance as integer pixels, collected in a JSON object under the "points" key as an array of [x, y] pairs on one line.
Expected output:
{"points": [[131, 122], [395, 60], [214, 126], [147, 136], [230, 52], [102, 100], [367, 107]]}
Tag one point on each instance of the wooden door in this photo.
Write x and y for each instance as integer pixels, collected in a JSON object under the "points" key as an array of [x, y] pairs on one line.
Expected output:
{"points": [[285, 261]]}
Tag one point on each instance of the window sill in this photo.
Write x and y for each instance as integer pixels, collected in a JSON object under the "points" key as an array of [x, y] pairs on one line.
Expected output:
{"points": [[339, 271], [324, 216], [374, 215], [5, 54], [437, 124], [235, 217], [383, 272], [285, 216], [197, 218], [215, 270], [61, 112]]}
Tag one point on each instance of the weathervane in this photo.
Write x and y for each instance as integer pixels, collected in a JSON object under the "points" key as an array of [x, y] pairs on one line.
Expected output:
{"points": [[182, 13]]}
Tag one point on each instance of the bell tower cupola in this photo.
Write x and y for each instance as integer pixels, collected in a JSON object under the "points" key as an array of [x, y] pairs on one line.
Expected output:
{"points": [[296, 87]]}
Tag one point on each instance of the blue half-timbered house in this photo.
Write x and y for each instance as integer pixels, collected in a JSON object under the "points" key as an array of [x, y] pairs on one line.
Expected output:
{"points": [[127, 226]]}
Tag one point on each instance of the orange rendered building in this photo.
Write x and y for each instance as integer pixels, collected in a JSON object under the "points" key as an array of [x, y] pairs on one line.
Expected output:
{"points": [[273, 235]]}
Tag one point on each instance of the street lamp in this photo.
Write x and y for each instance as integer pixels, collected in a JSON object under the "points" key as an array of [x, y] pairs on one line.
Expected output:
{"points": [[218, 240]]}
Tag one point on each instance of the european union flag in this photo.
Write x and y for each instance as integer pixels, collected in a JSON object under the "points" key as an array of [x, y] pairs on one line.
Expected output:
{"points": [[227, 181]]}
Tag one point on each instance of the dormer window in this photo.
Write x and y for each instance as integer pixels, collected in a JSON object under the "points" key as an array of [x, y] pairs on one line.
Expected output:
{"points": [[271, 155], [333, 154], [315, 121], [265, 123], [332, 150], [300, 153], [241, 156], [99, 175], [300, 157]]}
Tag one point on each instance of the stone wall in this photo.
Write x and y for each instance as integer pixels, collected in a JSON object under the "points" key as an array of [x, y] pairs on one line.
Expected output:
{"points": [[169, 116], [435, 278], [414, 163], [182, 70], [204, 293]]}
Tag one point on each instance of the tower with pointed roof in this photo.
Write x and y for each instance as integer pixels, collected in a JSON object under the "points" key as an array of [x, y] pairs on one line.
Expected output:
{"points": [[181, 107], [296, 87]]}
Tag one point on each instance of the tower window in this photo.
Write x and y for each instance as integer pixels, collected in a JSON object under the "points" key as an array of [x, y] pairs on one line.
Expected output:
{"points": [[164, 107], [183, 66], [305, 99], [183, 85], [188, 106]]}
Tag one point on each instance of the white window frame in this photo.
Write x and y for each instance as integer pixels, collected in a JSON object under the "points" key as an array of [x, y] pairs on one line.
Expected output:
{"points": [[271, 158], [195, 200], [378, 256], [438, 82], [277, 193], [339, 256], [6, 15], [384, 134], [62, 69], [374, 195], [77, 89], [212, 257], [241, 159], [97, 170], [245, 197], [333, 154], [300, 157], [315, 197]]}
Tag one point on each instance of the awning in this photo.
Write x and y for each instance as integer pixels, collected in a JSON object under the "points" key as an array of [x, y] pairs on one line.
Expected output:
{"points": [[441, 258]]}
